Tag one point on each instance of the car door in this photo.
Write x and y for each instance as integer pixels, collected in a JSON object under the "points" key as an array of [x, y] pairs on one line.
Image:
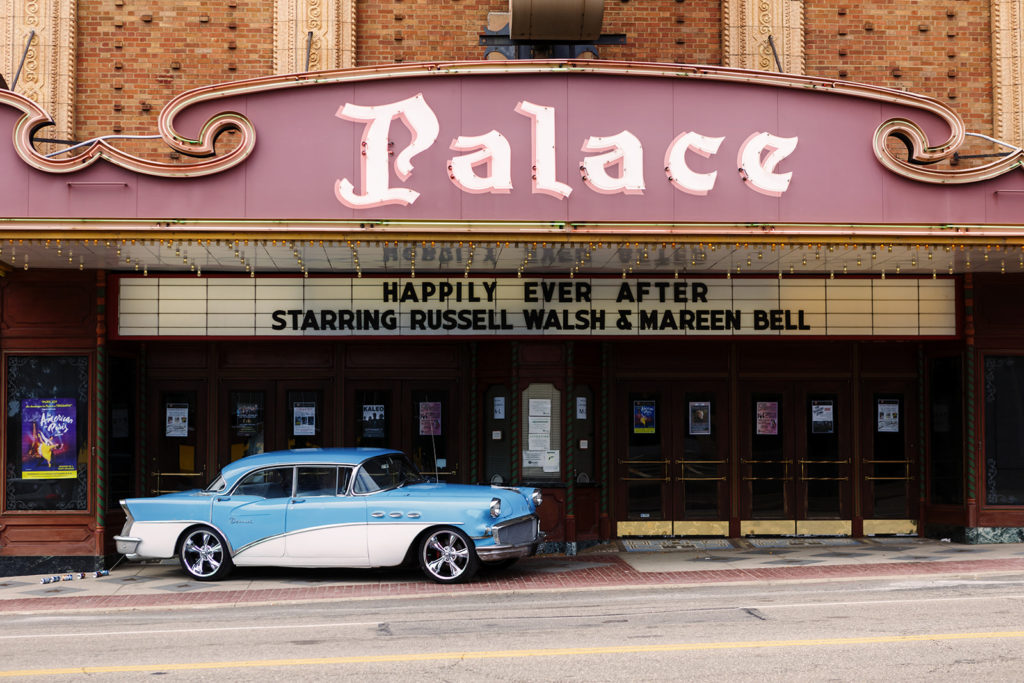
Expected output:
{"points": [[324, 525], [252, 516]]}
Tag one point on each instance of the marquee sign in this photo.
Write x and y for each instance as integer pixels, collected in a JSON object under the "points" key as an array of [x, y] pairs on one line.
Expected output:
{"points": [[530, 307], [562, 144]]}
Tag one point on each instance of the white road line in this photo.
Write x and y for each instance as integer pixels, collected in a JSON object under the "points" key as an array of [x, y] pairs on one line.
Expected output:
{"points": [[137, 632]]}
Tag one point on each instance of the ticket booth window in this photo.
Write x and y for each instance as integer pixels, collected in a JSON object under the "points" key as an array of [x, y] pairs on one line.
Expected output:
{"points": [[541, 427]]}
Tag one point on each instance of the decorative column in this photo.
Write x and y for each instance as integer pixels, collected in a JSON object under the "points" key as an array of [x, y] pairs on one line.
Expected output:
{"points": [[604, 521], [514, 397], [100, 412], [474, 418], [1007, 71], [971, 407], [570, 450], [48, 73], [325, 30], [747, 26]]}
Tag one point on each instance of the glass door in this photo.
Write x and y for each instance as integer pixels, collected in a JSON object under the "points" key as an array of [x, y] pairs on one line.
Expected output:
{"points": [[795, 459], [672, 478], [888, 464], [417, 418], [247, 429], [179, 429]]}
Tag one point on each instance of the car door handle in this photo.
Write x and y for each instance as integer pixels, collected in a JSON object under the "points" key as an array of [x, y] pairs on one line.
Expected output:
{"points": [[298, 500], [221, 499], [378, 515]]}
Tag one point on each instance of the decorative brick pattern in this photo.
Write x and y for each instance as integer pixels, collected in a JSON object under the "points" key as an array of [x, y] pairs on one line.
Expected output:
{"points": [[108, 66]]}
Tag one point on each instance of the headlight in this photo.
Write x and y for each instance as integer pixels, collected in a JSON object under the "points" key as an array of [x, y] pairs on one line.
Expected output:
{"points": [[495, 507], [537, 498]]}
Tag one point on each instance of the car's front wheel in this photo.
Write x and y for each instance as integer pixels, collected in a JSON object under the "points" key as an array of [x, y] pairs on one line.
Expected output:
{"points": [[204, 555], [447, 556]]}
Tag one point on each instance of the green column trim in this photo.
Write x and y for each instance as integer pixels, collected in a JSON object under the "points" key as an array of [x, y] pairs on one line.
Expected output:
{"points": [[514, 415], [570, 429], [101, 406], [921, 434], [604, 455], [474, 427]]}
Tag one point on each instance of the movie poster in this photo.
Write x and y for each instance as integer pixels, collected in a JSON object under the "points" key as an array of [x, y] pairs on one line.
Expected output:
{"points": [[767, 418], [700, 418], [643, 417], [304, 413], [373, 421], [48, 446], [177, 419], [430, 418], [889, 415], [822, 421]]}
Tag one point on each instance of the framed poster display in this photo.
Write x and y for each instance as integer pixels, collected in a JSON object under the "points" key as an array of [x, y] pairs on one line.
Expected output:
{"points": [[767, 418], [700, 418], [304, 413], [644, 415], [822, 421], [889, 415], [177, 419]]}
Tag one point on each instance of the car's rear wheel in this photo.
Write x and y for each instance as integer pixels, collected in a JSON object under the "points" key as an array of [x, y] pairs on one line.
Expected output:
{"points": [[204, 555], [447, 556]]}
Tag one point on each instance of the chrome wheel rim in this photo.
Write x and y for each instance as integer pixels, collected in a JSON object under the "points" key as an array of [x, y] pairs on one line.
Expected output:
{"points": [[202, 553], [446, 555]]}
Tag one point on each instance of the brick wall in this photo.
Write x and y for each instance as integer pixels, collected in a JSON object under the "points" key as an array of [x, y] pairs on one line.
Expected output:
{"points": [[940, 48], [133, 53]]}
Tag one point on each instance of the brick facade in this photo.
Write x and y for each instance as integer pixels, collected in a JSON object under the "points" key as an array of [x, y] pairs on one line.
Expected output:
{"points": [[134, 55]]}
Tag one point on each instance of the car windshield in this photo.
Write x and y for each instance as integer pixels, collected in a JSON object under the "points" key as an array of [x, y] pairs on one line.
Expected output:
{"points": [[386, 472]]}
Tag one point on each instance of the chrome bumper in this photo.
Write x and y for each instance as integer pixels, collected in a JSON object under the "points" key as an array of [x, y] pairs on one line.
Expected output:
{"points": [[514, 538], [127, 545]]}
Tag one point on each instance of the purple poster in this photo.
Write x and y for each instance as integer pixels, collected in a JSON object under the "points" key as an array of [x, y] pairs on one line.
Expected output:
{"points": [[48, 447], [430, 418]]}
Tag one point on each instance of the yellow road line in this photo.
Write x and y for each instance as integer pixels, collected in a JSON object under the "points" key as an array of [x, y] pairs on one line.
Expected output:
{"points": [[512, 654]]}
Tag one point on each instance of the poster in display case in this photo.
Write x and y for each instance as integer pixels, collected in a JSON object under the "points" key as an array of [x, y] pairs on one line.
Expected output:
{"points": [[700, 418], [767, 418], [822, 421], [644, 415]]}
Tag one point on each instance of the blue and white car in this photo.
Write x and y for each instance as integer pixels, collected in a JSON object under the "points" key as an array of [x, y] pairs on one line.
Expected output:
{"points": [[335, 507]]}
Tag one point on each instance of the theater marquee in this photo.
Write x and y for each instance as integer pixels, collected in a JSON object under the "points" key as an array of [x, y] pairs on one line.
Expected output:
{"points": [[513, 307]]}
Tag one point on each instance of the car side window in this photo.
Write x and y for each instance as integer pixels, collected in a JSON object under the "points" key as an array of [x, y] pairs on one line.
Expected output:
{"points": [[364, 482], [317, 481], [275, 482], [344, 478]]}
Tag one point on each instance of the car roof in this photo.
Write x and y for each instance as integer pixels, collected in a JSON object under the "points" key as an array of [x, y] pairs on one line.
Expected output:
{"points": [[303, 456]]}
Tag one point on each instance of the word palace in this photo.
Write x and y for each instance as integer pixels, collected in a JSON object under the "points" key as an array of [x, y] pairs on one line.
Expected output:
{"points": [[615, 163]]}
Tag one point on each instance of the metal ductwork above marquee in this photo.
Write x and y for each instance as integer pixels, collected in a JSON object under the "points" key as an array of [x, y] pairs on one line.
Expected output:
{"points": [[555, 19]]}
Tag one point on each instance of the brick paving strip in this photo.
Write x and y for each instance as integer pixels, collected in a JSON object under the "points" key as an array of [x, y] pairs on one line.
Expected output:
{"points": [[613, 572]]}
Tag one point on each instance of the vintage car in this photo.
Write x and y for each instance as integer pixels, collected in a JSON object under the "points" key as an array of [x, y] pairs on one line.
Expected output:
{"points": [[334, 507]]}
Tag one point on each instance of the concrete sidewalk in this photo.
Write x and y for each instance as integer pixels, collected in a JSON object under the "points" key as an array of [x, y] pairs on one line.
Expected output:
{"points": [[628, 562]]}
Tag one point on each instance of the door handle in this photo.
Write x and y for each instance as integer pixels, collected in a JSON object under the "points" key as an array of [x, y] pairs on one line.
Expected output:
{"points": [[221, 499], [296, 501]]}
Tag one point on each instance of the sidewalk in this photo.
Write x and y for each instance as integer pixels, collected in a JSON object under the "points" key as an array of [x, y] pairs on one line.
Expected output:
{"points": [[628, 562]]}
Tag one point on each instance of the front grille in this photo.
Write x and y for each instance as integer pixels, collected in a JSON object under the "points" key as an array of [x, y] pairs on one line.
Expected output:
{"points": [[517, 533]]}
